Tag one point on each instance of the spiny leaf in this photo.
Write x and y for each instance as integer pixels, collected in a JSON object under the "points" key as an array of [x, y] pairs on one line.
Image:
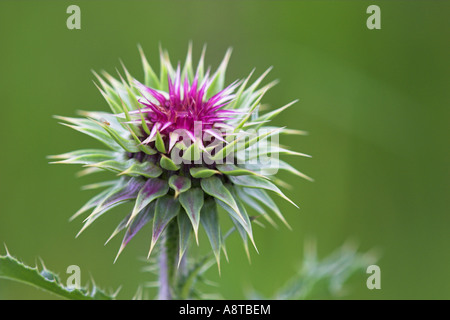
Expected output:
{"points": [[274, 149], [139, 221], [91, 130], [159, 143], [165, 69], [201, 64], [235, 102], [259, 183], [215, 188], [253, 203], [151, 79], [85, 156], [184, 230], [188, 72], [143, 147], [201, 172], [218, 79], [12, 269], [249, 113], [243, 235], [126, 144], [210, 222], [98, 185], [192, 153], [225, 151], [243, 219], [92, 202], [259, 137], [121, 226], [234, 170], [114, 165], [146, 169], [124, 192], [285, 166], [168, 164], [265, 199], [179, 184], [192, 202], [272, 114], [166, 209], [151, 190]]}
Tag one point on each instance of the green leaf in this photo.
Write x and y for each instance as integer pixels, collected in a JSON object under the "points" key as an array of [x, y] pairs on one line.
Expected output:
{"points": [[12, 269], [113, 165], [165, 70], [91, 129], [285, 166], [168, 164], [93, 202], [151, 79], [202, 172], [143, 147], [98, 185], [179, 184], [109, 94], [249, 113], [126, 144], [201, 65], [151, 190], [270, 115], [159, 143], [243, 220], [192, 202], [188, 71], [121, 226], [166, 209], [259, 183], [235, 102], [144, 216], [265, 199], [117, 195], [210, 222], [215, 188], [243, 234], [218, 79], [225, 151], [192, 153], [233, 170], [85, 156], [146, 169], [184, 230], [257, 138], [253, 203]]}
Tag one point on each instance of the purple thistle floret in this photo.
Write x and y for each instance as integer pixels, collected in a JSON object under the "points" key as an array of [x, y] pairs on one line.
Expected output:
{"points": [[185, 105]]}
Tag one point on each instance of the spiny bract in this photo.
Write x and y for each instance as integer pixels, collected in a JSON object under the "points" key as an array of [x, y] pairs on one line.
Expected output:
{"points": [[182, 144]]}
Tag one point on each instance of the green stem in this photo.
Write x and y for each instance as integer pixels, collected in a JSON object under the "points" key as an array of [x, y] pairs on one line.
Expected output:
{"points": [[168, 263]]}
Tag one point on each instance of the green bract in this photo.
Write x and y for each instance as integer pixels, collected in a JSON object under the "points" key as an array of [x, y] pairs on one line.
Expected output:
{"points": [[181, 145]]}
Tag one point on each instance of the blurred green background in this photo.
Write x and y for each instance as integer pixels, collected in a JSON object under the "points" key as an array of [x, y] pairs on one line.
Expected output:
{"points": [[375, 103]]}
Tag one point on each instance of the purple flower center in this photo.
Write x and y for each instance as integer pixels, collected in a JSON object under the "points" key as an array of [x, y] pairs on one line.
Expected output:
{"points": [[186, 106]]}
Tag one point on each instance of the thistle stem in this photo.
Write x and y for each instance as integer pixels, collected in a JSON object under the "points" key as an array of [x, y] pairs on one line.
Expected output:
{"points": [[167, 263], [164, 286]]}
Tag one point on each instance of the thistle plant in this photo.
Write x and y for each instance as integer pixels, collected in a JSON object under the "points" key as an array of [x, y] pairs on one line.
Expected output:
{"points": [[180, 146], [186, 149]]}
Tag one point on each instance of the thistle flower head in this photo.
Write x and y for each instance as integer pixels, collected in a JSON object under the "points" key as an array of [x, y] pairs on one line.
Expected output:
{"points": [[184, 105], [182, 145]]}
